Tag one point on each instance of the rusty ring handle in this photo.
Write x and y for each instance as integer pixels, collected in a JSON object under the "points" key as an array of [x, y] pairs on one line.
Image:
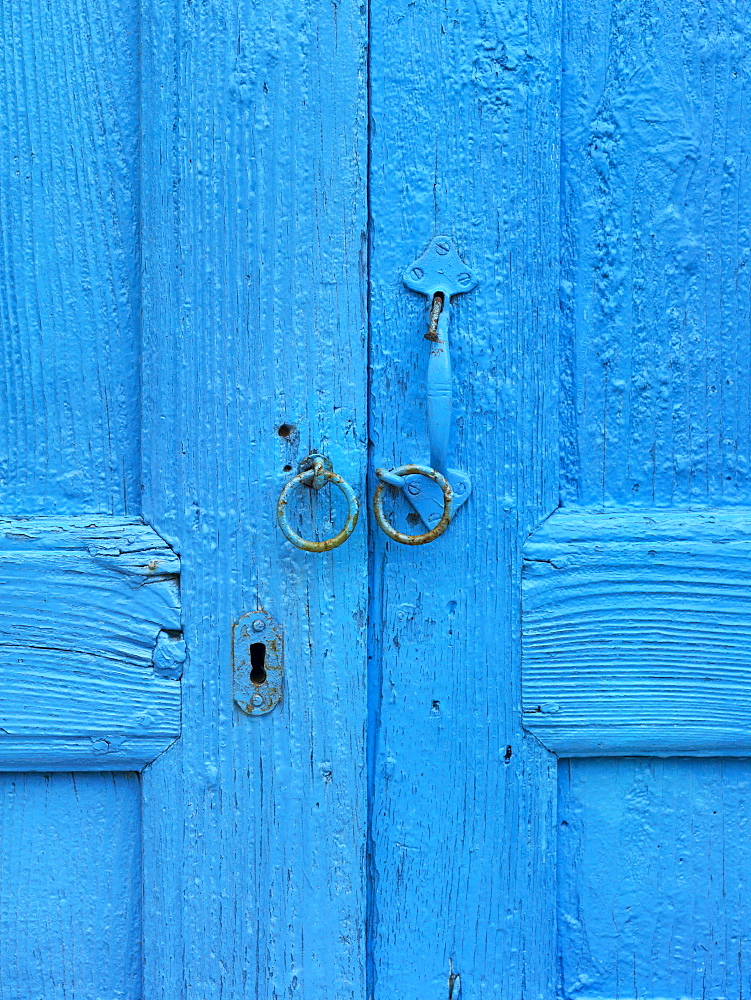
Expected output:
{"points": [[318, 476], [390, 477]]}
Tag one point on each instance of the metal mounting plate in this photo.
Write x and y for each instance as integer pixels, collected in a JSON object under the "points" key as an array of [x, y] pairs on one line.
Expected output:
{"points": [[257, 672], [440, 269], [427, 497]]}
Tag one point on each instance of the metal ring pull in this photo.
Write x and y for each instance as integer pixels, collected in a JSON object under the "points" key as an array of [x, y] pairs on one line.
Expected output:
{"points": [[315, 472], [394, 478]]}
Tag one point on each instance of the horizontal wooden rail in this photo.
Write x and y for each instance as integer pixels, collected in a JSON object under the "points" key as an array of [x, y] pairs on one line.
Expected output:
{"points": [[637, 633], [90, 644]]}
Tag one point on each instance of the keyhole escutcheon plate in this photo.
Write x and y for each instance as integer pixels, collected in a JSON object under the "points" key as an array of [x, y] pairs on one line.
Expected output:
{"points": [[257, 663]]}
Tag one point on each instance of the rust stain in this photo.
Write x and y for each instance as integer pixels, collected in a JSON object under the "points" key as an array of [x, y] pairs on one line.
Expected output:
{"points": [[436, 308], [257, 696]]}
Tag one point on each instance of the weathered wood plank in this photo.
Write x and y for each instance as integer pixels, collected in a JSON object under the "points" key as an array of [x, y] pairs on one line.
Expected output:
{"points": [[656, 275], [69, 336], [254, 318], [654, 893], [86, 606], [464, 129], [70, 892], [637, 632]]}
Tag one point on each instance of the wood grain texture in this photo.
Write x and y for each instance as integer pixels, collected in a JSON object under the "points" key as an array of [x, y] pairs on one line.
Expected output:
{"points": [[70, 887], [69, 337], [657, 222], [637, 632], [464, 132], [83, 602], [654, 891], [254, 318], [635, 619]]}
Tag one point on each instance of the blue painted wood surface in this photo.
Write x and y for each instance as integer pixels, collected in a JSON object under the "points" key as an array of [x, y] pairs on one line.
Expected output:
{"points": [[636, 632], [653, 864], [89, 613], [655, 263], [70, 886], [89, 603], [206, 210], [464, 129], [69, 146], [653, 878]]}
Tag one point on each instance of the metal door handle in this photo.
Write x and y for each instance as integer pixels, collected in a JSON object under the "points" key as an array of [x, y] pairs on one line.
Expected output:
{"points": [[316, 471], [439, 382], [439, 273]]}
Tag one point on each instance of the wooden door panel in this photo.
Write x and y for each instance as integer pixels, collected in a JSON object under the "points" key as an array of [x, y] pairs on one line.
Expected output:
{"points": [[636, 630], [69, 389], [255, 353], [635, 611], [655, 254], [90, 645], [653, 890], [71, 886]]}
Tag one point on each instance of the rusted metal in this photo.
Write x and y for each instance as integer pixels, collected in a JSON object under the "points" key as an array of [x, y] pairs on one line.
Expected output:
{"points": [[257, 663], [435, 313], [319, 464], [316, 471], [387, 477]]}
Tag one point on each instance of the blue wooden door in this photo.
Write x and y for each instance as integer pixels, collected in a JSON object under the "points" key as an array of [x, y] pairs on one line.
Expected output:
{"points": [[508, 763], [635, 590]]}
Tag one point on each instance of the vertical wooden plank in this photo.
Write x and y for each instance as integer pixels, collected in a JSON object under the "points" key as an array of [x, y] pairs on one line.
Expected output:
{"points": [[69, 440], [656, 265], [254, 354], [464, 141], [70, 886]]}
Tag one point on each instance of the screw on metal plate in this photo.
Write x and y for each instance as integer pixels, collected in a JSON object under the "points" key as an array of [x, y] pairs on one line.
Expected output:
{"points": [[427, 499], [440, 270], [257, 662], [438, 273]]}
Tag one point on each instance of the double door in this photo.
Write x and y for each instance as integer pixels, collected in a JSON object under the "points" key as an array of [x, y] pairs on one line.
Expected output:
{"points": [[507, 763]]}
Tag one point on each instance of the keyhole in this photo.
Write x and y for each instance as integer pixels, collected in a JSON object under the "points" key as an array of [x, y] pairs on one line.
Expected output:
{"points": [[257, 661]]}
